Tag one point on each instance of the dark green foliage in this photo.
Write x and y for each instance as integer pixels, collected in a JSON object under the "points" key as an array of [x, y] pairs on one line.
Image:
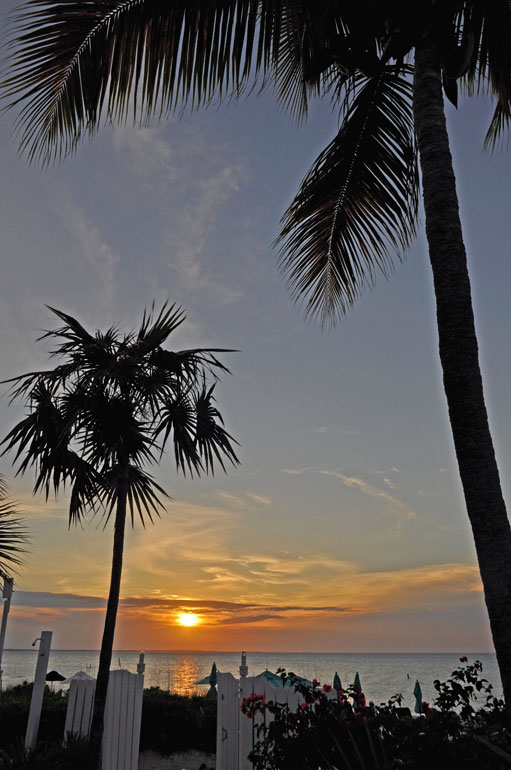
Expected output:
{"points": [[75, 755], [172, 723], [14, 708], [326, 733]]}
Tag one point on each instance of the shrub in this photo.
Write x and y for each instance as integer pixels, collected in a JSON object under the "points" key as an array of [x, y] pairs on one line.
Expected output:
{"points": [[173, 723], [170, 723], [325, 733]]}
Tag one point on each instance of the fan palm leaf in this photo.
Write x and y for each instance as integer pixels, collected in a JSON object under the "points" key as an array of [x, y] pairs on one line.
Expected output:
{"points": [[358, 204], [14, 535]]}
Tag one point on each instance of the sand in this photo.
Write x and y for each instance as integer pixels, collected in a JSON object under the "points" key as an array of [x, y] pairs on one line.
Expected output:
{"points": [[190, 760]]}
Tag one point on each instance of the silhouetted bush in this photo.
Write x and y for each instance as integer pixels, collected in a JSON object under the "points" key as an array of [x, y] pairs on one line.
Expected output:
{"points": [[170, 722], [324, 733], [173, 723], [14, 708]]}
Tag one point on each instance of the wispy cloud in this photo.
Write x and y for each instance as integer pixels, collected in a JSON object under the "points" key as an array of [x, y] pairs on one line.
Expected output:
{"points": [[363, 593], [397, 508], [261, 499], [101, 257]]}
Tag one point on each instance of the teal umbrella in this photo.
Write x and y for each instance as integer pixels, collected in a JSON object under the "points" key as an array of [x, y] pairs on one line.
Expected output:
{"points": [[418, 697], [358, 688], [276, 680], [337, 683]]}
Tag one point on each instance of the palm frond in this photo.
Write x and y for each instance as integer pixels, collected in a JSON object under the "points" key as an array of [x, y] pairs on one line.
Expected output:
{"points": [[357, 205], [178, 418], [87, 489], [71, 61], [142, 493], [154, 331], [14, 534], [489, 68], [212, 440]]}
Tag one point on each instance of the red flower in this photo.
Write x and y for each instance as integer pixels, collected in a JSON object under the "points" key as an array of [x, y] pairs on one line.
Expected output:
{"points": [[425, 706], [463, 659], [315, 683], [327, 688], [303, 706]]}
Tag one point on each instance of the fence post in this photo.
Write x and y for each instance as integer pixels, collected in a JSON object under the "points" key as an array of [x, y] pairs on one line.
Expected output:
{"points": [[38, 690], [6, 594]]}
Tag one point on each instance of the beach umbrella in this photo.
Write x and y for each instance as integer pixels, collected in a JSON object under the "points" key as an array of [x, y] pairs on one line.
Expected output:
{"points": [[54, 676], [298, 680], [418, 697], [337, 683], [358, 688], [78, 675], [277, 681], [210, 678], [211, 693]]}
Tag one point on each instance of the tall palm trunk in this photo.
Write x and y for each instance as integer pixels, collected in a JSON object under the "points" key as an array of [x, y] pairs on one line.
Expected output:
{"points": [[107, 642], [459, 356]]}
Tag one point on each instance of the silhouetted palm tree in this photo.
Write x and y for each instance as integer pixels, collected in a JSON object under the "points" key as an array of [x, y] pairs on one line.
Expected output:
{"points": [[14, 534], [76, 61], [105, 413]]}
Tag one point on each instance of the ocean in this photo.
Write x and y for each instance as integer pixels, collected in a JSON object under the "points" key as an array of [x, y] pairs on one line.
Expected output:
{"points": [[381, 674]]}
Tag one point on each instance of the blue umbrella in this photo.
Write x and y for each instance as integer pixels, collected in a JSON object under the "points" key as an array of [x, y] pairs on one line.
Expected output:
{"points": [[418, 697]]}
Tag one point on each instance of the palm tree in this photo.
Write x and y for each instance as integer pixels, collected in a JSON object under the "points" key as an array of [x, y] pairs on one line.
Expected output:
{"points": [[76, 62], [14, 535], [105, 413]]}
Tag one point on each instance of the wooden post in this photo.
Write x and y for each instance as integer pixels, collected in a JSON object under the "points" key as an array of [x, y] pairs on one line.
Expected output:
{"points": [[6, 594], [38, 691]]}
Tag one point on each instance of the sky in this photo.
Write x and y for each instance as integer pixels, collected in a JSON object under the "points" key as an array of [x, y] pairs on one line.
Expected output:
{"points": [[344, 527]]}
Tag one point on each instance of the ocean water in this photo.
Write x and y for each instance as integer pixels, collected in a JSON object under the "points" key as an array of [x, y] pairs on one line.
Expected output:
{"points": [[381, 674]]}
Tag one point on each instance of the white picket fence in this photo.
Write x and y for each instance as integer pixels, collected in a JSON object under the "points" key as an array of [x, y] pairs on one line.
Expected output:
{"points": [[236, 733], [123, 716]]}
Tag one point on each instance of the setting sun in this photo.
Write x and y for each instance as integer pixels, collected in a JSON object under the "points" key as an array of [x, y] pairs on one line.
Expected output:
{"points": [[188, 619]]}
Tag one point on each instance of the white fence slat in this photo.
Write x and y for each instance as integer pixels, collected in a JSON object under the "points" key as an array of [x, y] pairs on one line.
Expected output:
{"points": [[237, 733], [79, 708], [228, 717], [137, 719], [123, 717], [246, 732]]}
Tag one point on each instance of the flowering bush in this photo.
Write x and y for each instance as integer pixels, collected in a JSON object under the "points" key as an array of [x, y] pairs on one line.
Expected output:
{"points": [[325, 732]]}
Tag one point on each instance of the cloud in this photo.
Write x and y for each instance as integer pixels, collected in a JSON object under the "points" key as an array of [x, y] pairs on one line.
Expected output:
{"points": [[299, 471], [425, 588], [180, 166], [261, 499], [398, 509], [101, 257]]}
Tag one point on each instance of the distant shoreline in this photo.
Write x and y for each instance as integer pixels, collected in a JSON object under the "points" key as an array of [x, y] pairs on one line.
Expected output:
{"points": [[261, 652]]}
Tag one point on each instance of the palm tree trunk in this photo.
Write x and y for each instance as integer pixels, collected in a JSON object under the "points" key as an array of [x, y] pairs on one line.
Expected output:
{"points": [[107, 642], [459, 356]]}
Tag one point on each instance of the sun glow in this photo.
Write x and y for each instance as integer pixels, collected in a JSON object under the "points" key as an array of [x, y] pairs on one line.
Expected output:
{"points": [[188, 619]]}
